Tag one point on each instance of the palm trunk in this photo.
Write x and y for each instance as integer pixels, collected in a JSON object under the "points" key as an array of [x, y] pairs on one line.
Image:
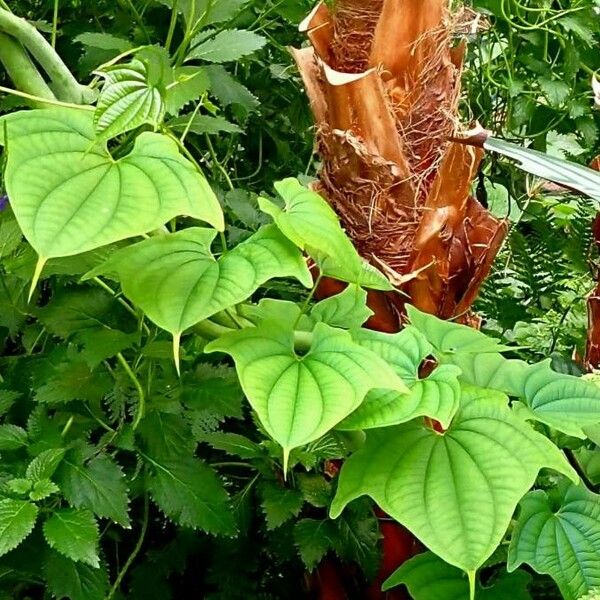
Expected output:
{"points": [[383, 80]]}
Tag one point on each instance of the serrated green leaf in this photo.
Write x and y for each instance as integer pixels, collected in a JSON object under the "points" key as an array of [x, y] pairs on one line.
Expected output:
{"points": [[44, 465], [189, 84], [310, 223], [166, 435], [19, 485], [315, 489], [12, 437], [227, 46], [127, 100], [230, 91], [428, 577], [17, 519], [346, 310], [74, 533], [210, 11], [439, 485], [280, 504], [98, 485], [314, 539], [42, 489], [563, 543], [190, 493], [75, 580], [436, 396], [233, 443], [102, 343], [70, 196], [104, 41], [177, 281], [200, 124], [300, 398], [7, 399]]}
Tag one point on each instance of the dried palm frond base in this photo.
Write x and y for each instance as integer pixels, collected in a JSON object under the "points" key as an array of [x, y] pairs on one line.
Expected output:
{"points": [[383, 79]]}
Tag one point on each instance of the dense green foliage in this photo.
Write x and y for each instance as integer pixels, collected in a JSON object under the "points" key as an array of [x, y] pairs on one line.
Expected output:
{"points": [[174, 404]]}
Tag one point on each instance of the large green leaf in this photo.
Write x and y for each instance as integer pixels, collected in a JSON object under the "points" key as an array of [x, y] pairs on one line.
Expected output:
{"points": [[563, 172], [457, 491], [17, 519], [564, 402], [127, 100], [436, 396], [75, 580], [69, 195], [427, 577], [301, 396], [312, 225], [74, 533], [563, 543], [177, 282]]}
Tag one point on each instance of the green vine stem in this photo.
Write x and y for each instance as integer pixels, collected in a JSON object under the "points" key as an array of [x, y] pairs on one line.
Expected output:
{"points": [[141, 410], [22, 71], [65, 86]]}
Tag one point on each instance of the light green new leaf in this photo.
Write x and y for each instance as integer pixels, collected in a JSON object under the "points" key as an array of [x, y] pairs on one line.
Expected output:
{"points": [[74, 533], [563, 172], [456, 492], [452, 338], [127, 100], [177, 282], [428, 577], [346, 310], [310, 223], [564, 402], [43, 489], [300, 398], [189, 84], [189, 492], [70, 196], [563, 543], [45, 464], [227, 46], [436, 397], [17, 519]]}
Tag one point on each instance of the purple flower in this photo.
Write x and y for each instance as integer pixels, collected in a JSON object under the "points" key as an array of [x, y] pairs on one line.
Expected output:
{"points": [[3, 202]]}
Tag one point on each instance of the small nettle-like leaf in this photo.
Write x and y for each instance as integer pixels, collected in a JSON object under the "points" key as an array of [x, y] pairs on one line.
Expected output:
{"points": [[98, 485], [280, 504], [565, 402], [228, 90], [189, 83], [75, 580], [314, 539], [233, 443], [310, 223], [12, 437], [439, 485], [299, 398], [428, 577], [563, 543], [226, 46], [74, 533], [437, 396], [70, 196], [17, 519], [200, 124], [19, 486], [127, 100], [209, 11], [189, 492], [166, 435], [44, 465], [43, 489], [347, 310], [177, 282]]}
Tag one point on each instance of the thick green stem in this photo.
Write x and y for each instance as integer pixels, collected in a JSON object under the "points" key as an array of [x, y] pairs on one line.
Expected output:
{"points": [[65, 86], [22, 71]]}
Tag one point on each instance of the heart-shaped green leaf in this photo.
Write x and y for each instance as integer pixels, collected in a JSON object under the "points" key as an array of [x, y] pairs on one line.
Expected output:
{"points": [[428, 577], [346, 310], [563, 543], [127, 100], [564, 402], [299, 398], [457, 491], [312, 225], [437, 396], [177, 282], [70, 196]]}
